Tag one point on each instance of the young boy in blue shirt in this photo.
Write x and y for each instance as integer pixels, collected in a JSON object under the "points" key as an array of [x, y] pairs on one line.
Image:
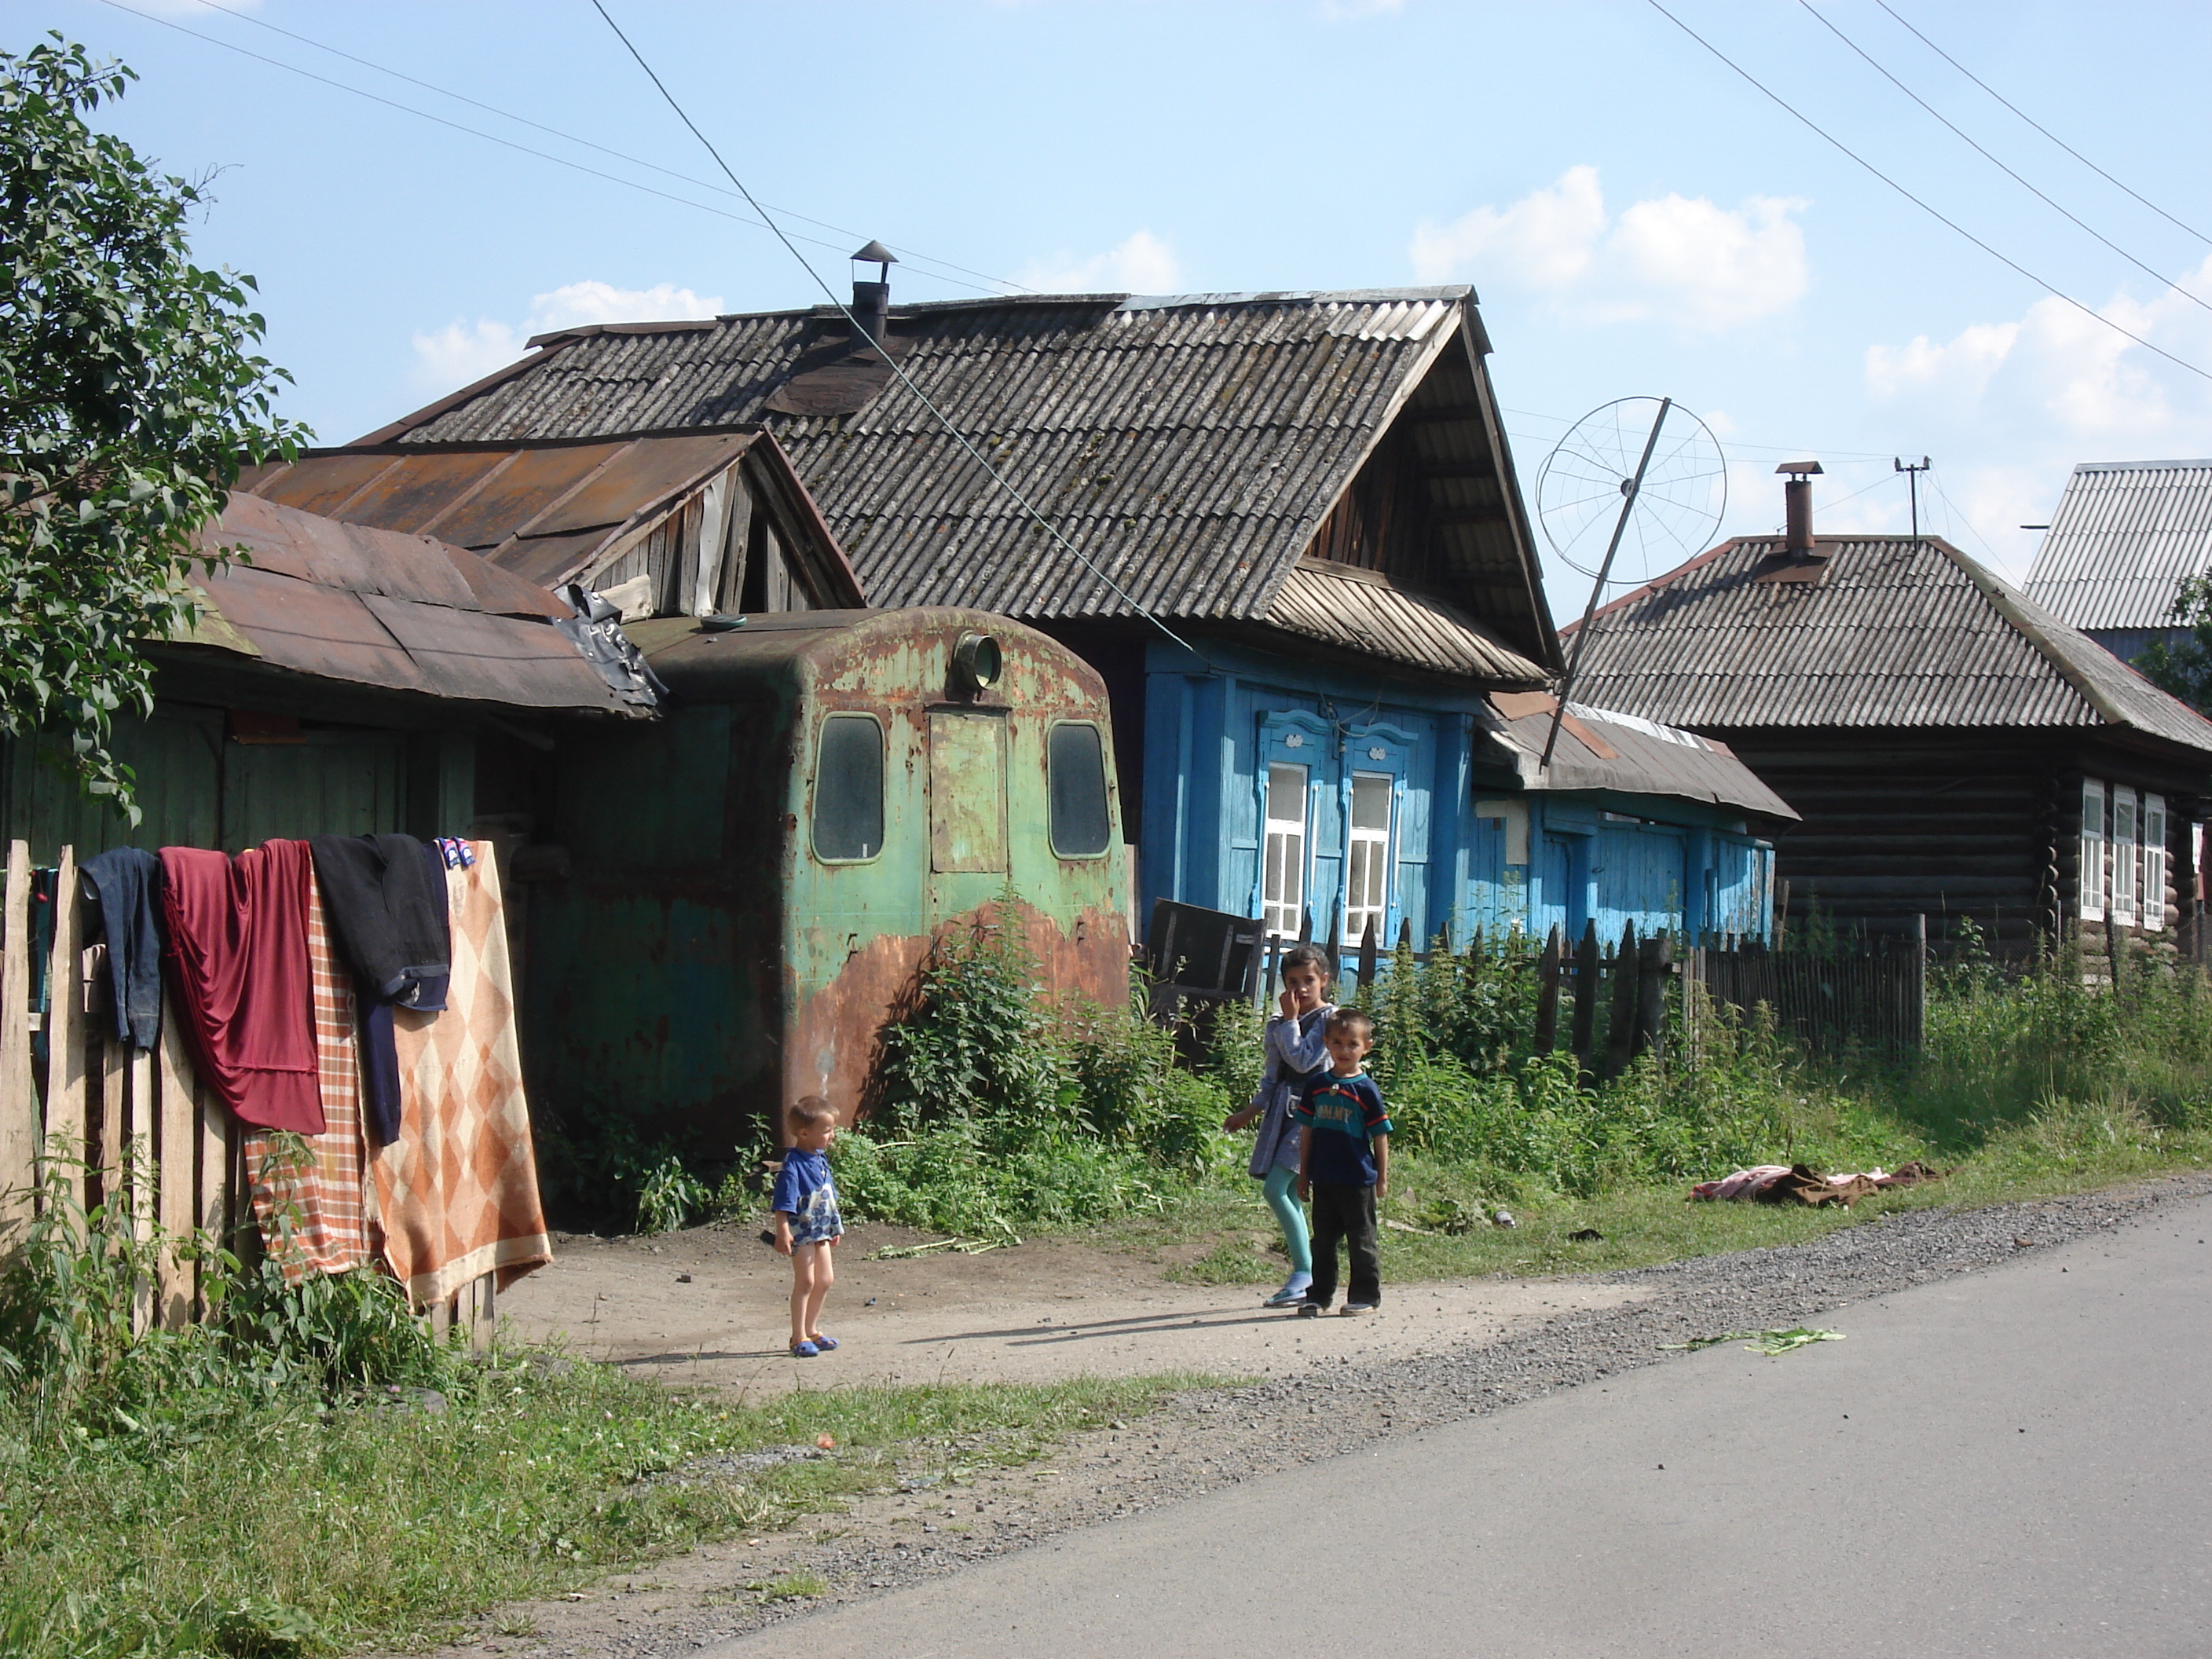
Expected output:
{"points": [[807, 1225], [1343, 1165]]}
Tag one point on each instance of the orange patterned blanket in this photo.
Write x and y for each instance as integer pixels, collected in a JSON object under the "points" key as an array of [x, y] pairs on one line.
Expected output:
{"points": [[457, 1193]]}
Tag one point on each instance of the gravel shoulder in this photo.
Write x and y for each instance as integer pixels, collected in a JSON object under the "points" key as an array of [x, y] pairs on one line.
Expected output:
{"points": [[1319, 1399]]}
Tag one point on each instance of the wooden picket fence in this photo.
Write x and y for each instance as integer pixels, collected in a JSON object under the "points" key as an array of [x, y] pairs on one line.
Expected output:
{"points": [[124, 1126]]}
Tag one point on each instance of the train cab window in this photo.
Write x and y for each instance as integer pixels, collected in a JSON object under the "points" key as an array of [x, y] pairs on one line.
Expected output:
{"points": [[849, 789], [1082, 827]]}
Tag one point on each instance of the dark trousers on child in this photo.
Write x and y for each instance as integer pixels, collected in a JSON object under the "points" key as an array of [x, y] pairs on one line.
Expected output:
{"points": [[1345, 1214]]}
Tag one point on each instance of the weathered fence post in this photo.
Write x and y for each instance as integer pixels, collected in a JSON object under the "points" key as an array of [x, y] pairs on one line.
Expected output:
{"points": [[1620, 1016], [1916, 1005], [1651, 964], [1586, 969], [1548, 993], [19, 1106], [66, 1032]]}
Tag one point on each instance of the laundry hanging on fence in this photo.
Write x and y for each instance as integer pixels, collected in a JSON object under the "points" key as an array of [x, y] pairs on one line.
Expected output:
{"points": [[387, 901], [311, 1198], [236, 952], [456, 1191], [126, 884]]}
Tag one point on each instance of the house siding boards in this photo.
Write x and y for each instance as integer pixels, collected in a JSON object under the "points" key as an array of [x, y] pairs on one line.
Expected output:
{"points": [[1931, 724]]}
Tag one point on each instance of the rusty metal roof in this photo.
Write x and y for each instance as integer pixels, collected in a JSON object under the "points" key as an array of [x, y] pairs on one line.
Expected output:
{"points": [[551, 511], [1190, 447], [1890, 631], [1601, 749], [398, 612], [2124, 535]]}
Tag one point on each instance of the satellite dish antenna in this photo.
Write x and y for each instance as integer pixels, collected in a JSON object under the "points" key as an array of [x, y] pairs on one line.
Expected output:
{"points": [[1636, 486]]}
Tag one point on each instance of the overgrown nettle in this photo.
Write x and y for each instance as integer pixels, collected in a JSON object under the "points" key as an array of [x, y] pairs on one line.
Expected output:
{"points": [[130, 395]]}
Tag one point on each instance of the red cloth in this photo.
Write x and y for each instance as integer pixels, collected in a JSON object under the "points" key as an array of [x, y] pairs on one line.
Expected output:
{"points": [[236, 950]]}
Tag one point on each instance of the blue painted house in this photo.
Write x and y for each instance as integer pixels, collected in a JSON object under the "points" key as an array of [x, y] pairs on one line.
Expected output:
{"points": [[1284, 527]]}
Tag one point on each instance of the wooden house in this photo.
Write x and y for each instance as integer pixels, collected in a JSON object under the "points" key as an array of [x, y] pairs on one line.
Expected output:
{"points": [[1284, 530], [1955, 749]]}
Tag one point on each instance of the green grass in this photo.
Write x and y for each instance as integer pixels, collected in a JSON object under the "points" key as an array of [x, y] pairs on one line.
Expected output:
{"points": [[290, 1528]]}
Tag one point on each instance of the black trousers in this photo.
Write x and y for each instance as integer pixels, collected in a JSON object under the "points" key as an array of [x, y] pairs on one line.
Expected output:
{"points": [[1344, 1214]]}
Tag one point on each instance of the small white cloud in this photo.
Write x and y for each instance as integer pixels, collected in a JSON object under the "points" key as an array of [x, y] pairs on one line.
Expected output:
{"points": [[1142, 265], [462, 352], [1683, 259], [1351, 11], [1962, 365], [579, 303]]}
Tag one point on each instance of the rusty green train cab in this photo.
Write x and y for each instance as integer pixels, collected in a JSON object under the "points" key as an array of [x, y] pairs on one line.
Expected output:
{"points": [[743, 890]]}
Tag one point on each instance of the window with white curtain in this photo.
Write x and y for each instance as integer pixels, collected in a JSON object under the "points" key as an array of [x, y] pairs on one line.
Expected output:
{"points": [[2153, 862], [1367, 858], [1282, 880], [2125, 856], [2091, 881]]}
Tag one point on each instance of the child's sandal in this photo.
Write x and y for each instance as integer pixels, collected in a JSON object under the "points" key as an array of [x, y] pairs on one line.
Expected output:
{"points": [[805, 1349], [822, 1343]]}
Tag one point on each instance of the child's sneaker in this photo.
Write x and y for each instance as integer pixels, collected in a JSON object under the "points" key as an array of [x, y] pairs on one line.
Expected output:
{"points": [[1350, 1308], [1293, 1293], [1309, 1309]]}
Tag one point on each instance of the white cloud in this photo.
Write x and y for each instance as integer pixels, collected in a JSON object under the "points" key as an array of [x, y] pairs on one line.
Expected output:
{"points": [[1350, 11], [1142, 265], [1677, 258], [461, 352]]}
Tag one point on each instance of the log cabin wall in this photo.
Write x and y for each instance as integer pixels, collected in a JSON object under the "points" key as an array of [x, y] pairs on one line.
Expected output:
{"points": [[1958, 826]]}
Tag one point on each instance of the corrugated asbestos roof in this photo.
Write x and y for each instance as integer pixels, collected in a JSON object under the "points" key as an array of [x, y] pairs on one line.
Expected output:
{"points": [[1894, 633], [1603, 749], [377, 608], [2124, 535], [1342, 608], [1189, 447]]}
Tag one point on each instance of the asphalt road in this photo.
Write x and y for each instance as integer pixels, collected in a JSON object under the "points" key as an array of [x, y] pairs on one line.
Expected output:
{"points": [[2012, 1461]]}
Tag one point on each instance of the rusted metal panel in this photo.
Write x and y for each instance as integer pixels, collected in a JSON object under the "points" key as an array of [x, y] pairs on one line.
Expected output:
{"points": [[967, 792], [375, 607], [311, 489], [411, 499], [650, 470], [530, 482]]}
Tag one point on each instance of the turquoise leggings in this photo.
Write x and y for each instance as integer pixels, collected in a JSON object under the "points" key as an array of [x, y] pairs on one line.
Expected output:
{"points": [[1281, 1187]]}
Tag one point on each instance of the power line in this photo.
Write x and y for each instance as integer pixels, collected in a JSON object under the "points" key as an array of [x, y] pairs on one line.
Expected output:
{"points": [[1821, 133], [896, 368], [2040, 128], [2158, 277], [478, 132], [905, 254]]}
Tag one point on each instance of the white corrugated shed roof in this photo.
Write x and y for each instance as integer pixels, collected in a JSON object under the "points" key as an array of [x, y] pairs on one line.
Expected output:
{"points": [[2125, 534]]}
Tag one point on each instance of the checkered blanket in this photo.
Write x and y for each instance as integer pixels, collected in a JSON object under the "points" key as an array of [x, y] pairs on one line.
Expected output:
{"points": [[457, 1193], [310, 1192]]}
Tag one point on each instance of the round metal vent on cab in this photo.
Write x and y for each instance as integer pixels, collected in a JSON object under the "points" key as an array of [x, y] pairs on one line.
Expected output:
{"points": [[975, 661]]}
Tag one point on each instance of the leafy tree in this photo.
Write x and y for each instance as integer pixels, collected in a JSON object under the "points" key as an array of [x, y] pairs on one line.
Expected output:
{"points": [[129, 395], [2184, 669]]}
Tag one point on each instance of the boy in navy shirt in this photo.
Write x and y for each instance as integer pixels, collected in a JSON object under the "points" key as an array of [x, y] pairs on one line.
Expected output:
{"points": [[1343, 1165]]}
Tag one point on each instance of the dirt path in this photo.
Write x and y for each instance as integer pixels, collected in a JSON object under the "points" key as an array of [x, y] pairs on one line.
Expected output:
{"points": [[709, 1307]]}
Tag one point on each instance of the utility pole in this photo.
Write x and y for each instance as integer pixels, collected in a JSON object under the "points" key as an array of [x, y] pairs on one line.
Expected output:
{"points": [[1912, 477]]}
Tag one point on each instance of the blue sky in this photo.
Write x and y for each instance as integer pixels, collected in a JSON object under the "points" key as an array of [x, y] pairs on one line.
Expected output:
{"points": [[1637, 219]]}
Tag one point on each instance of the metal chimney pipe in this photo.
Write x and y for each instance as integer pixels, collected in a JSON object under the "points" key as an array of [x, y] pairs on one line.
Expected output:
{"points": [[1797, 507], [872, 301]]}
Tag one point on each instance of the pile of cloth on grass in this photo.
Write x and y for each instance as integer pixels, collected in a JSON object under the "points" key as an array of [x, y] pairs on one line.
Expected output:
{"points": [[1800, 1183]]}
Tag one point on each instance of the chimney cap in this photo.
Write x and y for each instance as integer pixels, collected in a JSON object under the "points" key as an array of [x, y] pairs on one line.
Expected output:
{"points": [[875, 254], [1800, 468]]}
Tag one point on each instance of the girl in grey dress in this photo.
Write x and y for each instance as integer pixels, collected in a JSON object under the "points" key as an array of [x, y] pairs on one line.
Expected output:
{"points": [[1295, 1052]]}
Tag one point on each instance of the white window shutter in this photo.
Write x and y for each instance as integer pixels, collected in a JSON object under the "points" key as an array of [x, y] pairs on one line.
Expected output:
{"points": [[2153, 862]]}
